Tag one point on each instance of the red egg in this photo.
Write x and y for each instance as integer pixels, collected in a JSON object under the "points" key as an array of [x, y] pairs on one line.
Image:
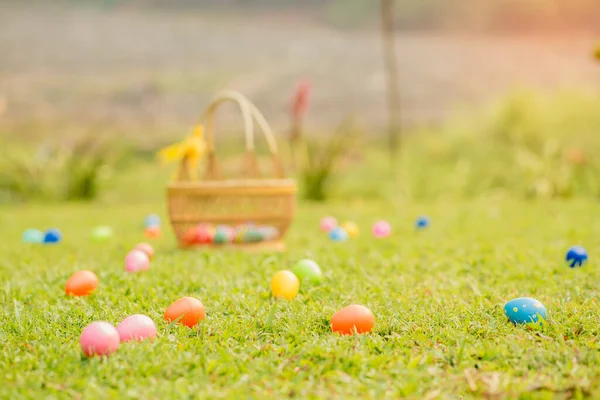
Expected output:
{"points": [[351, 319], [187, 311], [99, 339], [81, 283], [189, 237]]}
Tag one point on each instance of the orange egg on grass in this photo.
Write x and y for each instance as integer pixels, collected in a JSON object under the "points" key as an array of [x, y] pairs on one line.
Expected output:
{"points": [[187, 311], [153, 232], [353, 319], [81, 283]]}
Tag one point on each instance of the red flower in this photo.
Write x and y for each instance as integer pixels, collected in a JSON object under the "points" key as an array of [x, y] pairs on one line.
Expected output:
{"points": [[300, 100]]}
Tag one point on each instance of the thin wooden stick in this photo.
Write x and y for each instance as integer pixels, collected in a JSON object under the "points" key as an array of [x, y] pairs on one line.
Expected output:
{"points": [[391, 65]]}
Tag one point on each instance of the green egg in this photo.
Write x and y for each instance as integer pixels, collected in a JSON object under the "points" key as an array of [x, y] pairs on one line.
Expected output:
{"points": [[101, 233], [308, 271]]}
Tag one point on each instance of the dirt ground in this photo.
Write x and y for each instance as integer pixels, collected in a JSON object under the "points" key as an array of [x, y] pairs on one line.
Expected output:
{"points": [[138, 70]]}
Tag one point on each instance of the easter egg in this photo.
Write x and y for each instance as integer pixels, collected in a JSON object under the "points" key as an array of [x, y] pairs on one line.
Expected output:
{"points": [[422, 223], [81, 283], [285, 285], [33, 236], [382, 229], [136, 327], [136, 260], [187, 311], [152, 221], [101, 233], [99, 339], [308, 271], [153, 232], [328, 223], [190, 237], [146, 248], [52, 236], [576, 256], [220, 237], [351, 319], [253, 236], [338, 234], [239, 234], [351, 228], [270, 232], [525, 310], [204, 234]]}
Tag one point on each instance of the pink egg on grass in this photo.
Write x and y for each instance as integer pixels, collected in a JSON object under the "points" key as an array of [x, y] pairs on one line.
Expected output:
{"points": [[99, 339], [136, 260], [382, 229], [136, 327], [328, 224]]}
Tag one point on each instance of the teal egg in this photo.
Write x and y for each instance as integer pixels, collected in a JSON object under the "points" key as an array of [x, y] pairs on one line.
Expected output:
{"points": [[525, 310], [221, 237], [33, 236], [253, 236]]}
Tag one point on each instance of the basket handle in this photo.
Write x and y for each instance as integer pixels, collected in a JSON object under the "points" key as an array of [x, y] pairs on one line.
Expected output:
{"points": [[250, 114]]}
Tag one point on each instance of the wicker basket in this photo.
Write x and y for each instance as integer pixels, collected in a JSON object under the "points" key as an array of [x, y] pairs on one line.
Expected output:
{"points": [[249, 200]]}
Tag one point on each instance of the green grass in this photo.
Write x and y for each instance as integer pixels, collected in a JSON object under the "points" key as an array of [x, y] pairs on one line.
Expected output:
{"points": [[437, 296]]}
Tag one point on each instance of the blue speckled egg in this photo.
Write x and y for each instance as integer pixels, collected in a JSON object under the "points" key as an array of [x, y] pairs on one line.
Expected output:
{"points": [[338, 234], [52, 236], [525, 310], [152, 221], [422, 223], [33, 236], [576, 256]]}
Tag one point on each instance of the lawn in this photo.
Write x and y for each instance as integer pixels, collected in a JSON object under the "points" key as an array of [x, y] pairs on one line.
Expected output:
{"points": [[437, 295]]}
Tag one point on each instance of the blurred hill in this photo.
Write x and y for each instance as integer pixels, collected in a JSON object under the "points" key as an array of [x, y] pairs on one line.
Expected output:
{"points": [[411, 14], [145, 71]]}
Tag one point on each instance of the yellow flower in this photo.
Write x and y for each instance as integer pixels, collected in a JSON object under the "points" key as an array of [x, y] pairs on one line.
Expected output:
{"points": [[189, 152]]}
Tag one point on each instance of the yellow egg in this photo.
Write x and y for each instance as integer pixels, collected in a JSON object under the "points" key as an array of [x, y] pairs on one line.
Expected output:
{"points": [[285, 285], [351, 228]]}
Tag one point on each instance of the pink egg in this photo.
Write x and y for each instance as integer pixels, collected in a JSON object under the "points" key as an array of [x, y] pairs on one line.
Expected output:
{"points": [[99, 339], [328, 223], [136, 260], [382, 229], [136, 327]]}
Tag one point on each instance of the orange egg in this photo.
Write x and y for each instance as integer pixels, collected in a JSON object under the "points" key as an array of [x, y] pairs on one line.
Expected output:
{"points": [[187, 311], [153, 232], [353, 318], [81, 283], [146, 248]]}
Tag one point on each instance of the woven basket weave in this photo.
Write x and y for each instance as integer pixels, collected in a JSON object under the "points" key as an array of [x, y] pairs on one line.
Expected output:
{"points": [[248, 200]]}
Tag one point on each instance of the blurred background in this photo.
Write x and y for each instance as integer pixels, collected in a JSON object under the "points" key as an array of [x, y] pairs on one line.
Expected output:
{"points": [[497, 97]]}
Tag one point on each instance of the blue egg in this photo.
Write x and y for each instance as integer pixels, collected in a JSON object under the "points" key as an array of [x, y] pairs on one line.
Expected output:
{"points": [[152, 221], [576, 256], [338, 234], [525, 310], [422, 223], [33, 236], [52, 236]]}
